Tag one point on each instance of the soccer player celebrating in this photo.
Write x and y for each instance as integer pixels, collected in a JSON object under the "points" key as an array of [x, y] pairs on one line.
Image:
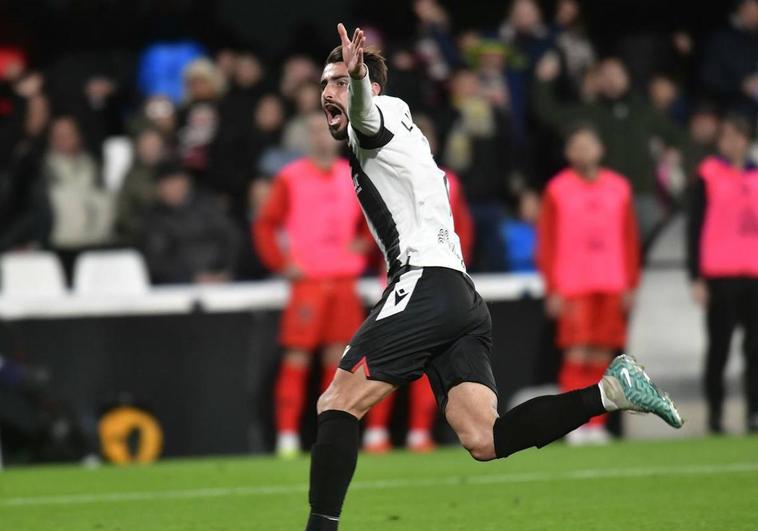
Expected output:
{"points": [[313, 202], [588, 254], [430, 318]]}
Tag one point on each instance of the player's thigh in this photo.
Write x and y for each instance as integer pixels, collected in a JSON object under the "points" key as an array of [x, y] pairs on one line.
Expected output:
{"points": [[353, 392]]}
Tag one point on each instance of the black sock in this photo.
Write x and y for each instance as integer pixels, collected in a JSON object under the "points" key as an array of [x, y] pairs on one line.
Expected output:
{"points": [[542, 420], [333, 459]]}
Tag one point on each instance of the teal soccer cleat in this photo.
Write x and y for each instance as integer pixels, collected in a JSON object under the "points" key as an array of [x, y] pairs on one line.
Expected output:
{"points": [[626, 386]]}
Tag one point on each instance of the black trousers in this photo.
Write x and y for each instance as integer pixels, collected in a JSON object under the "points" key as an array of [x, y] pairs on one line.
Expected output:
{"points": [[733, 302]]}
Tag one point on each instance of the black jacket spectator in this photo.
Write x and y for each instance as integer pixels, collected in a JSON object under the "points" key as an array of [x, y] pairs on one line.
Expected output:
{"points": [[187, 237], [730, 65]]}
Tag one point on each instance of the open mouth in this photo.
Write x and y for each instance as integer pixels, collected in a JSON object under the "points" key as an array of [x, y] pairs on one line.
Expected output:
{"points": [[333, 114]]}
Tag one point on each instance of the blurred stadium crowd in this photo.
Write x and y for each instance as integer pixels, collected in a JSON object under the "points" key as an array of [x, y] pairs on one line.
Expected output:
{"points": [[494, 104], [196, 164]]}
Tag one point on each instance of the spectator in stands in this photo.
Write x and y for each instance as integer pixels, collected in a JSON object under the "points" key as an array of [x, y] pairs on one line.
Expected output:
{"points": [[247, 85], [574, 48], [24, 118], [159, 113], [665, 95], [82, 212], [423, 409], [627, 124], [729, 69], [312, 205], [723, 262], [226, 62], [490, 67], [296, 71], [435, 47], [527, 38], [137, 192], [307, 100], [479, 149], [703, 132], [266, 151], [199, 118], [519, 234], [678, 170], [99, 113], [12, 102], [186, 236], [232, 162], [588, 254]]}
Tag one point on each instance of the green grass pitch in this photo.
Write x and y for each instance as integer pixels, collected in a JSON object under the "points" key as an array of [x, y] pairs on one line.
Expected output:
{"points": [[684, 485]]}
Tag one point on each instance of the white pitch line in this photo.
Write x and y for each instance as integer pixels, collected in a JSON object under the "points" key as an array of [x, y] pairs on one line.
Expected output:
{"points": [[483, 479]]}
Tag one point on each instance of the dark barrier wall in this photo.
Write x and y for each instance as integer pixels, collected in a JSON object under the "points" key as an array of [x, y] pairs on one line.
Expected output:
{"points": [[207, 377]]}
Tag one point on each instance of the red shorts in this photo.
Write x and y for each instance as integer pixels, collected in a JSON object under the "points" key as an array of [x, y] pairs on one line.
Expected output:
{"points": [[597, 320], [321, 312]]}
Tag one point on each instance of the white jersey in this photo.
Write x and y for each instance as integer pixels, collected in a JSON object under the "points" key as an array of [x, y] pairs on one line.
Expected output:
{"points": [[402, 192]]}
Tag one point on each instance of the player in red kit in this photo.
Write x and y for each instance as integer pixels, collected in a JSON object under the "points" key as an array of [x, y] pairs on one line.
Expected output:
{"points": [[309, 231], [588, 254]]}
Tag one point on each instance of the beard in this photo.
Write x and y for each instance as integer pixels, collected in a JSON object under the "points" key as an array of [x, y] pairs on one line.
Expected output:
{"points": [[339, 133]]}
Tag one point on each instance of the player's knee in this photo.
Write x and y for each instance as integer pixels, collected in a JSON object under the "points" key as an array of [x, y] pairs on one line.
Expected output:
{"points": [[326, 401], [332, 398], [479, 443]]}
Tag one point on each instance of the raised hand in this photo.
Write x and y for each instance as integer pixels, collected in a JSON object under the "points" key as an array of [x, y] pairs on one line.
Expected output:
{"points": [[352, 51]]}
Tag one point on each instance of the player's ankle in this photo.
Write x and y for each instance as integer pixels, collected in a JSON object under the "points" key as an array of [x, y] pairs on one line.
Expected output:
{"points": [[608, 404]]}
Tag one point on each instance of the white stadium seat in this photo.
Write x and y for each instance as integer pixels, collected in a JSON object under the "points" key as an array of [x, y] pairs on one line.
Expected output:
{"points": [[31, 274], [111, 273], [118, 154]]}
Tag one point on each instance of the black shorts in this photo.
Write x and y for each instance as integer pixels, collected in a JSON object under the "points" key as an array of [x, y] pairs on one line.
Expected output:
{"points": [[430, 320]]}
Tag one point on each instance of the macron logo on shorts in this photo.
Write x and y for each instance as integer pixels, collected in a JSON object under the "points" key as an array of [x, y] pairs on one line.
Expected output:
{"points": [[400, 294], [398, 300]]}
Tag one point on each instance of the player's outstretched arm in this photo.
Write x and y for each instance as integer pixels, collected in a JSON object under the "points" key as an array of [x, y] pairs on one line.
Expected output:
{"points": [[363, 114]]}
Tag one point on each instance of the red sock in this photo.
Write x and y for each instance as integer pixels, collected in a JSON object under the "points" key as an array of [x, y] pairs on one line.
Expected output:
{"points": [[423, 406], [379, 415], [571, 376], [594, 372], [290, 396], [327, 375]]}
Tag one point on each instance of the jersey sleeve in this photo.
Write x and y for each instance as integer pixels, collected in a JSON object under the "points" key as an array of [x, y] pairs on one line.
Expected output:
{"points": [[363, 113], [631, 246], [546, 240], [372, 118], [269, 220]]}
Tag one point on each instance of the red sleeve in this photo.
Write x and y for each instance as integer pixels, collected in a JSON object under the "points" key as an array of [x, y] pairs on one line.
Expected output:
{"points": [[631, 246], [270, 218], [464, 225], [546, 241]]}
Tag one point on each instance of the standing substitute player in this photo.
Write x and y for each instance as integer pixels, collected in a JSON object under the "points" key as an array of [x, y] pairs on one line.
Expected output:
{"points": [[430, 318]]}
